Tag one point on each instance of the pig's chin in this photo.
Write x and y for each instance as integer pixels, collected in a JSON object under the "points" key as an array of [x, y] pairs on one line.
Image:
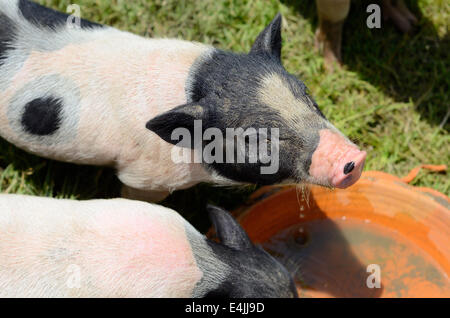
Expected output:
{"points": [[336, 162]]}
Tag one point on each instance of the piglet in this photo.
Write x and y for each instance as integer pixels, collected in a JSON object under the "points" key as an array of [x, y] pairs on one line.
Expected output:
{"points": [[125, 248], [332, 14], [167, 114]]}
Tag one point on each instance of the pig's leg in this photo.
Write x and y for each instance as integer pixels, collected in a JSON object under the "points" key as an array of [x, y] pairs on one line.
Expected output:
{"points": [[142, 195], [332, 14], [405, 11], [397, 11]]}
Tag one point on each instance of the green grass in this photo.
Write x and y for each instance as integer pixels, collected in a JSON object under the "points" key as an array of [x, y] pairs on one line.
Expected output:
{"points": [[390, 97]]}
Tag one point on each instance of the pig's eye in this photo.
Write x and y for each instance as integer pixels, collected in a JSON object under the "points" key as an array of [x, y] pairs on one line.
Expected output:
{"points": [[276, 141]]}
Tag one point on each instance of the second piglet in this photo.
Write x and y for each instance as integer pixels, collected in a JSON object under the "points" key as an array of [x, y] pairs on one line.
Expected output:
{"points": [[125, 248], [91, 94]]}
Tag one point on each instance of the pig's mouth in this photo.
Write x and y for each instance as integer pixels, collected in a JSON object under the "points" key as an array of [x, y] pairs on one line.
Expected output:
{"points": [[336, 162]]}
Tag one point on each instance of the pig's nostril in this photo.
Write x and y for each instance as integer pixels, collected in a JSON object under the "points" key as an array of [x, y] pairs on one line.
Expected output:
{"points": [[349, 167]]}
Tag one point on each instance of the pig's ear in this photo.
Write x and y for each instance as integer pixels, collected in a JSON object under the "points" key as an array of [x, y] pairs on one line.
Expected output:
{"points": [[180, 117], [269, 40], [228, 229]]}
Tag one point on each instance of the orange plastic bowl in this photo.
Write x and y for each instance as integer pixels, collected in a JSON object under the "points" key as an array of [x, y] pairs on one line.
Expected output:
{"points": [[378, 238]]}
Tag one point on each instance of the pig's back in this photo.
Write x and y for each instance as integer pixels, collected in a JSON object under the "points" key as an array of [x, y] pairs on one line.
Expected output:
{"points": [[99, 248], [97, 87]]}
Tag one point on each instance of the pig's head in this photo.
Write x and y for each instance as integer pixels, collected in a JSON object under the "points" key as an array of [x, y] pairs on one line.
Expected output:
{"points": [[250, 271], [226, 90]]}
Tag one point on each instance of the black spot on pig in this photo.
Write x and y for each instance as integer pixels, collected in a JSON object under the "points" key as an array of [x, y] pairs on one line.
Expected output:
{"points": [[46, 17], [7, 31], [41, 116]]}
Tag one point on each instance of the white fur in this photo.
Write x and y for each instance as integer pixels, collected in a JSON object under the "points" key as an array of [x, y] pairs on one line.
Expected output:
{"points": [[112, 83], [98, 248]]}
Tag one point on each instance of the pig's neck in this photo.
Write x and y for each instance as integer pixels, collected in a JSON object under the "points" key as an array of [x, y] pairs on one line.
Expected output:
{"points": [[166, 78], [211, 260], [154, 83]]}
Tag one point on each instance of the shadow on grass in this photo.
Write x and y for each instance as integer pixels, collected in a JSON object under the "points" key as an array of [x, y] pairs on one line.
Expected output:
{"points": [[191, 203], [21, 172], [406, 67]]}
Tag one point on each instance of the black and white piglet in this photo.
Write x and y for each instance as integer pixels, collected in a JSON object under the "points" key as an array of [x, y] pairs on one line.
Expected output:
{"points": [[96, 95], [125, 248]]}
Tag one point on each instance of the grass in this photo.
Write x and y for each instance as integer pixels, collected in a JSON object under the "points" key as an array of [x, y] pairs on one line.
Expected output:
{"points": [[390, 97]]}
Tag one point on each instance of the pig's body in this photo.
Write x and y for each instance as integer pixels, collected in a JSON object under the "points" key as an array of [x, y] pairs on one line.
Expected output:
{"points": [[110, 91], [97, 95], [108, 248], [116, 248]]}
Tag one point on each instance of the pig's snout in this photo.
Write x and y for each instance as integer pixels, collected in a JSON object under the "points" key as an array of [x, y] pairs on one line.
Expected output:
{"points": [[349, 167], [336, 162], [350, 171]]}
